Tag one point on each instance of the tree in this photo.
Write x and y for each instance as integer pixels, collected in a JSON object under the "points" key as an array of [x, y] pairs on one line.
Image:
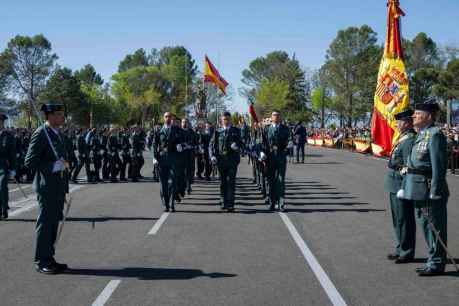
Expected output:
{"points": [[65, 88], [423, 66], [272, 95], [27, 63], [352, 67], [89, 76], [140, 88], [138, 58], [279, 70], [448, 81]]}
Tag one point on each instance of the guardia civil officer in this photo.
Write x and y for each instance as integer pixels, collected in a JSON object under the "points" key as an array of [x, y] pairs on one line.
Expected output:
{"points": [[425, 183], [47, 155], [167, 146], [7, 165], [276, 151], [225, 151], [403, 219]]}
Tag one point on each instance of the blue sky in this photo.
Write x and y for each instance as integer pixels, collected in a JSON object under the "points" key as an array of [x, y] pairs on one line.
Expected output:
{"points": [[232, 33]]}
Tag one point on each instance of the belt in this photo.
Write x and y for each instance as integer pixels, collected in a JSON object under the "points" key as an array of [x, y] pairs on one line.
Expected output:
{"points": [[396, 168], [427, 173]]}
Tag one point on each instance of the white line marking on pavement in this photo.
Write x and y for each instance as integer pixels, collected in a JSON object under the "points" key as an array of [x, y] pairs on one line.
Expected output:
{"points": [[33, 203], [154, 230], [17, 189], [106, 293], [326, 283]]}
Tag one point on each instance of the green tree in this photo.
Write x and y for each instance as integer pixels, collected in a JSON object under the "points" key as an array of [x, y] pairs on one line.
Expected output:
{"points": [[352, 67], [423, 65], [448, 81], [27, 63], [138, 58], [65, 88], [273, 69], [272, 95]]}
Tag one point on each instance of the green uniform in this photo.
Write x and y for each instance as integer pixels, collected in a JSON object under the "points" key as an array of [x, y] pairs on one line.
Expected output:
{"points": [[50, 188], [425, 183], [7, 164], [402, 210], [165, 148], [228, 159], [276, 150]]}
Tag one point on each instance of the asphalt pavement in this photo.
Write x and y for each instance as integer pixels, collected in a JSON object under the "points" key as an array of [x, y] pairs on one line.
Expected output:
{"points": [[329, 248]]}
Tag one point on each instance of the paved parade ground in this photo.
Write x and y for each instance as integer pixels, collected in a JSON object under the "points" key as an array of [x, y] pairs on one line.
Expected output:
{"points": [[329, 247]]}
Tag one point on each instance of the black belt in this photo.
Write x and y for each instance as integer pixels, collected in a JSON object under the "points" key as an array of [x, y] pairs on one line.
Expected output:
{"points": [[395, 168], [427, 173]]}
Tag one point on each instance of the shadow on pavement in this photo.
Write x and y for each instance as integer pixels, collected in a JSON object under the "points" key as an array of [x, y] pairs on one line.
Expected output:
{"points": [[313, 210], [89, 219], [149, 273]]}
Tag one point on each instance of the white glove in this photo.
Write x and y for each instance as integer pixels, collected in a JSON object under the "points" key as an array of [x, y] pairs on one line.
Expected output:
{"points": [[213, 160], [234, 146], [155, 161], [12, 174], [290, 144], [434, 197], [401, 194], [263, 156], [58, 166], [179, 148]]}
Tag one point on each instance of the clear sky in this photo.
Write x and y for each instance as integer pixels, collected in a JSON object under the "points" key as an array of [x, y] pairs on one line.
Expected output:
{"points": [[232, 33]]}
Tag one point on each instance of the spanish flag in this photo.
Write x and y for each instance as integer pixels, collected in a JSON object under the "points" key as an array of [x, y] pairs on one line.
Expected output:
{"points": [[211, 75], [392, 91]]}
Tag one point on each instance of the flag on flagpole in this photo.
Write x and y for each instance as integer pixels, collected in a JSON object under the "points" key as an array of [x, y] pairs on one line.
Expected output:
{"points": [[211, 75], [252, 112], [392, 90]]}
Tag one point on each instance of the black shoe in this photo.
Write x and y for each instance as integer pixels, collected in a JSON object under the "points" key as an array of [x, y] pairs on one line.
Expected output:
{"points": [[173, 209], [272, 208], [208, 178], [392, 256], [166, 209], [230, 209], [61, 267], [431, 272], [5, 214], [403, 260], [282, 208], [421, 269], [47, 269]]}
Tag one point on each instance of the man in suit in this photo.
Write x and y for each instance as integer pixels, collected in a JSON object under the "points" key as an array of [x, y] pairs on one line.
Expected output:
{"points": [[224, 150], [167, 146]]}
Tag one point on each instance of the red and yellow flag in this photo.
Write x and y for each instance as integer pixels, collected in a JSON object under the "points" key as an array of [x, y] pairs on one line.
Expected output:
{"points": [[211, 75], [392, 91]]}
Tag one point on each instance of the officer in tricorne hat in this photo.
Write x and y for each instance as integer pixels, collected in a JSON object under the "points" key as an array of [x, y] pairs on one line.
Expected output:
{"points": [[403, 219], [47, 156], [7, 165], [425, 183]]}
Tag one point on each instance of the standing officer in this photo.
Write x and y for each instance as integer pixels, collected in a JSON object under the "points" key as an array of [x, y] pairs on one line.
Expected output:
{"points": [[138, 146], [7, 165], [95, 155], [277, 149], [114, 158], [425, 183], [224, 151], [83, 155], [190, 143], [47, 155], [125, 154], [300, 137], [166, 147], [402, 210]]}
